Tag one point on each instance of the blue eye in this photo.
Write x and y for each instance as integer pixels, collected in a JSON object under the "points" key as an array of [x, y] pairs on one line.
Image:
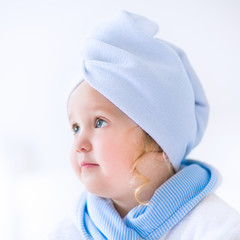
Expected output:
{"points": [[75, 129], [100, 123]]}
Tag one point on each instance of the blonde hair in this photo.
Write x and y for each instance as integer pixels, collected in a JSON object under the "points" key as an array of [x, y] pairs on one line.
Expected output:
{"points": [[149, 145]]}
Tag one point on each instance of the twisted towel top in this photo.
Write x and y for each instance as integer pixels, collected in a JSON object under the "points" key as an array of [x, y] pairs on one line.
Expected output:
{"points": [[150, 80]]}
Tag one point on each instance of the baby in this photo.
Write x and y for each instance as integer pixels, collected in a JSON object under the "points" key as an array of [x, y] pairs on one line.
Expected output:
{"points": [[135, 116]]}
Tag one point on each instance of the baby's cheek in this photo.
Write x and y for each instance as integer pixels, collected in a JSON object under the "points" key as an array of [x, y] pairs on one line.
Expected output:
{"points": [[109, 156], [116, 162]]}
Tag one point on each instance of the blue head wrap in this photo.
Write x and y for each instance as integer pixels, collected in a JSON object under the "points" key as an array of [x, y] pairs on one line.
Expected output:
{"points": [[150, 80]]}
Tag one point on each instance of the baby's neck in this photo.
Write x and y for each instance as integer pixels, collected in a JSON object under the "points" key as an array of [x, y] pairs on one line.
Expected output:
{"points": [[124, 206]]}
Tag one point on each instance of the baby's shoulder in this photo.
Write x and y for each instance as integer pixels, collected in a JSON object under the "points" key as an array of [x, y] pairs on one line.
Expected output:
{"points": [[211, 219]]}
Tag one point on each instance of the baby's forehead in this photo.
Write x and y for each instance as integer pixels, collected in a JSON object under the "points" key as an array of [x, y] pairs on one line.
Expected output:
{"points": [[85, 93], [86, 97]]}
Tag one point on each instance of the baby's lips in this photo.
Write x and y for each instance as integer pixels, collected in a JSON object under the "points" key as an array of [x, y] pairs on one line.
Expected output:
{"points": [[84, 164]]}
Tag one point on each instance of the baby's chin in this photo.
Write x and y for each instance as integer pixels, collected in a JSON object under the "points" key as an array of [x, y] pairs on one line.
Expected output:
{"points": [[100, 190], [96, 188], [99, 193]]}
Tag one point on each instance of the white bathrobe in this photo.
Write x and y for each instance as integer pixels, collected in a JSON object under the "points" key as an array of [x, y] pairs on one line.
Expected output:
{"points": [[211, 219]]}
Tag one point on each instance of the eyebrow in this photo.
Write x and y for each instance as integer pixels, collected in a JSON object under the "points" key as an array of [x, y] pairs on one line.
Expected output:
{"points": [[97, 108]]}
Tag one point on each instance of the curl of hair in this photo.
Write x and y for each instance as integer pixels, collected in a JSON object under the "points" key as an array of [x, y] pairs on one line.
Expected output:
{"points": [[149, 145]]}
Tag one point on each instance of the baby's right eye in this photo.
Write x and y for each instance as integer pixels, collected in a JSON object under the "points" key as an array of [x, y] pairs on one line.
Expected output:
{"points": [[75, 129]]}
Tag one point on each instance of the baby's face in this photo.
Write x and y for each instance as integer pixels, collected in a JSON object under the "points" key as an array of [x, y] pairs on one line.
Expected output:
{"points": [[106, 143]]}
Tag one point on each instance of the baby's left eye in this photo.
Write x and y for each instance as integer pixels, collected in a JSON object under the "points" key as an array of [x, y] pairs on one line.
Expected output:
{"points": [[100, 123]]}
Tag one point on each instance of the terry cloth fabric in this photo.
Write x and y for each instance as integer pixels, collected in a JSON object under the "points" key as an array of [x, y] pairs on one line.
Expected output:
{"points": [[150, 80], [96, 218], [211, 219]]}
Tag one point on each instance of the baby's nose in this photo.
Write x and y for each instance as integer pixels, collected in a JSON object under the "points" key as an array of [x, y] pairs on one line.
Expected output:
{"points": [[83, 145]]}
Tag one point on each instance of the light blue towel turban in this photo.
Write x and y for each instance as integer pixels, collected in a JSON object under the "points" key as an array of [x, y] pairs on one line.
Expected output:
{"points": [[150, 80]]}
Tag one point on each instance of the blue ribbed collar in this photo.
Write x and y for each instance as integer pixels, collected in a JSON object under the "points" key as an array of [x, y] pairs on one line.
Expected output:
{"points": [[96, 218]]}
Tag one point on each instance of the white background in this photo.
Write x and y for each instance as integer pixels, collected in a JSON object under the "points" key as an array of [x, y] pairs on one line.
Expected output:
{"points": [[40, 44]]}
